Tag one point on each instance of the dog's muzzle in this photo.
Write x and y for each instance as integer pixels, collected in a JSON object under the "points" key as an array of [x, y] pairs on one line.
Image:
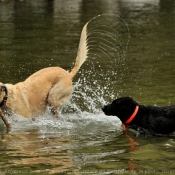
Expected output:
{"points": [[106, 110]]}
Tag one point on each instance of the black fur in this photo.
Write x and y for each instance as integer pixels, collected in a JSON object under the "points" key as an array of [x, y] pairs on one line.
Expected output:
{"points": [[156, 120]]}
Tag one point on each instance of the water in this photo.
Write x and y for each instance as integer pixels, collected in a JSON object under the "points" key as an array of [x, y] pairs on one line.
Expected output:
{"points": [[38, 34]]}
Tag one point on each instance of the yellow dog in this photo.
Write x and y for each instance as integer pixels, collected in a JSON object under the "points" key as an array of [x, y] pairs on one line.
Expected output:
{"points": [[50, 86]]}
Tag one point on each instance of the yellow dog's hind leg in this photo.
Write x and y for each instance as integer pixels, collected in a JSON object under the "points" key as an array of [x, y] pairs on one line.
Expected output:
{"points": [[59, 95]]}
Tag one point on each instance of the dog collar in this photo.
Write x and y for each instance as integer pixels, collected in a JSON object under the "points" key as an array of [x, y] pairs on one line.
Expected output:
{"points": [[133, 115], [4, 88]]}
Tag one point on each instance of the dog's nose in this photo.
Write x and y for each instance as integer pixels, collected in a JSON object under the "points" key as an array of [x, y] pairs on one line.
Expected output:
{"points": [[103, 108]]}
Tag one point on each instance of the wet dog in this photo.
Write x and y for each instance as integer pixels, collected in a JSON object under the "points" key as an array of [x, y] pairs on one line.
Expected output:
{"points": [[152, 119], [50, 86]]}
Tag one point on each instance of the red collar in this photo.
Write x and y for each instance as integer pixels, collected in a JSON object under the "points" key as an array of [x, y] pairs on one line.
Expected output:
{"points": [[133, 115]]}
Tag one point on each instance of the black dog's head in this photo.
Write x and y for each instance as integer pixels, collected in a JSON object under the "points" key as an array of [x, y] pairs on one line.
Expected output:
{"points": [[122, 108]]}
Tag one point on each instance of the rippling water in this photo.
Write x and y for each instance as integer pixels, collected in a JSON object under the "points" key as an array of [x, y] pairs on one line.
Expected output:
{"points": [[38, 34]]}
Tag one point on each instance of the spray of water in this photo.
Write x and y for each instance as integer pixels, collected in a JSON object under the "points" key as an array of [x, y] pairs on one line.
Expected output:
{"points": [[107, 38], [107, 41]]}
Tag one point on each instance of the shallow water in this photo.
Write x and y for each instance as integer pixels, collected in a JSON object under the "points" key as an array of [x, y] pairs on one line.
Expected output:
{"points": [[38, 34]]}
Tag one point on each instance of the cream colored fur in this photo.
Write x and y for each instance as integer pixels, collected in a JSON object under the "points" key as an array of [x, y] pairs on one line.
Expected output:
{"points": [[50, 86]]}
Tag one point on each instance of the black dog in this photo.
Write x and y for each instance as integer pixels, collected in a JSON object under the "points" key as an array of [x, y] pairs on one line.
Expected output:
{"points": [[156, 120]]}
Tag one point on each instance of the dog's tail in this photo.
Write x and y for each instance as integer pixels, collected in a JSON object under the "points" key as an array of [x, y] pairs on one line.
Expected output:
{"points": [[82, 52]]}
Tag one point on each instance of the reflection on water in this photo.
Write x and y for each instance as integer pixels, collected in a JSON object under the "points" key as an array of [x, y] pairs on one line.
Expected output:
{"points": [[32, 152], [37, 34]]}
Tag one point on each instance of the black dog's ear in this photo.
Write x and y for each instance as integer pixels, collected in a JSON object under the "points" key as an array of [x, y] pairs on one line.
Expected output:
{"points": [[130, 103]]}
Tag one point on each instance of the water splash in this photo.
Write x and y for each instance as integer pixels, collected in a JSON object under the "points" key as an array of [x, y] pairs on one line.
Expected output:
{"points": [[107, 40], [81, 114]]}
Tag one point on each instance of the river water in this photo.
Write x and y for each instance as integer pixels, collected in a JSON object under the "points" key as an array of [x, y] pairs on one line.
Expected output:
{"points": [[43, 33]]}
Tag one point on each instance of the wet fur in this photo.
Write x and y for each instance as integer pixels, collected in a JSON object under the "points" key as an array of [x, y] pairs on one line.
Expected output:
{"points": [[50, 86], [156, 120]]}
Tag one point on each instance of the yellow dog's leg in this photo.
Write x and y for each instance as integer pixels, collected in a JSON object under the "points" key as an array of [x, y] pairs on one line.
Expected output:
{"points": [[59, 95], [5, 119]]}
